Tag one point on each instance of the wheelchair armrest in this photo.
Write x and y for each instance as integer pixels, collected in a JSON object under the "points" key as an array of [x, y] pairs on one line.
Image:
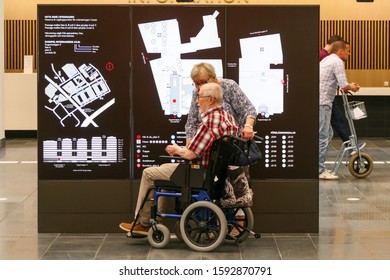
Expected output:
{"points": [[176, 158], [186, 174]]}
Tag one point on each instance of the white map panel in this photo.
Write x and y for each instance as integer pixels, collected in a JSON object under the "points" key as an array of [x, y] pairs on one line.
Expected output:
{"points": [[172, 73], [263, 85]]}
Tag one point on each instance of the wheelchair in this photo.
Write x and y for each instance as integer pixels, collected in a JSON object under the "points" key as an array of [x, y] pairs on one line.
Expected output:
{"points": [[202, 222]]}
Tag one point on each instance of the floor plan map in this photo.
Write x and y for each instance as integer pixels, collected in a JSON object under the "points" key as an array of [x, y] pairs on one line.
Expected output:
{"points": [[172, 73], [72, 92], [263, 84]]}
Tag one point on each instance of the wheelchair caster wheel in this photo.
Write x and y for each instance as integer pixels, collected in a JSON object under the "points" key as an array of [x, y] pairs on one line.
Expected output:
{"points": [[239, 241], [159, 236], [257, 235]]}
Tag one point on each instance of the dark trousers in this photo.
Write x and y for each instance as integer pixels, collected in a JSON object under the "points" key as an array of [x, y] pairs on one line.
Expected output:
{"points": [[339, 123]]}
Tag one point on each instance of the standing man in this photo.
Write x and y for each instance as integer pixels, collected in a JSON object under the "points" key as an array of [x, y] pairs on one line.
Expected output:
{"points": [[327, 50], [337, 120], [332, 76]]}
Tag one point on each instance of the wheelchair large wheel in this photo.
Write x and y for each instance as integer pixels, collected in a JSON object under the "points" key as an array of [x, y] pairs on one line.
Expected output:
{"points": [[177, 231], [244, 218], [203, 226], [361, 168], [160, 237]]}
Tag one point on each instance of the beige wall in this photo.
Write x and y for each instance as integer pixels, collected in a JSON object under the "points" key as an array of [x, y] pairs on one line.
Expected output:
{"points": [[2, 134], [18, 103], [20, 98], [329, 9]]}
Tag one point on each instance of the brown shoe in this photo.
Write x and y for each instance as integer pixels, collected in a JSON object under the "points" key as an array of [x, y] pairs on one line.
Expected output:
{"points": [[141, 230], [126, 226], [235, 230]]}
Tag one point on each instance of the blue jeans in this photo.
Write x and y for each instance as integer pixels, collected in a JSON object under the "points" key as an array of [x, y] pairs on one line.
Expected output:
{"points": [[326, 134]]}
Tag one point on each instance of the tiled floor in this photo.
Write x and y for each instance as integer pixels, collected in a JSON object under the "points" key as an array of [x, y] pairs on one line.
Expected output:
{"points": [[354, 220]]}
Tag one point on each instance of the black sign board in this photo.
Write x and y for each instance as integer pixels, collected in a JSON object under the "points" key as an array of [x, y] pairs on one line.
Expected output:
{"points": [[83, 92]]}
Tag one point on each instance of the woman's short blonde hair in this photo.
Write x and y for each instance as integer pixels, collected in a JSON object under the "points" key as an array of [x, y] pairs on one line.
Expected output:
{"points": [[205, 69]]}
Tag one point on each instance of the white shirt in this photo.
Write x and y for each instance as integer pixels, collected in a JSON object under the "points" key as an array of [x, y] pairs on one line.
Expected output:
{"points": [[332, 75]]}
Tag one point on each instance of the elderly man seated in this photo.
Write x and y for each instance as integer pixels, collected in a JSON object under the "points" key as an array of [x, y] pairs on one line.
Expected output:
{"points": [[215, 122]]}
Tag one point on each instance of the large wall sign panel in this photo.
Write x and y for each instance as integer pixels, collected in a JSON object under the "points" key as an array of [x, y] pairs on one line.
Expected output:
{"points": [[273, 55], [114, 88], [167, 42], [83, 92]]}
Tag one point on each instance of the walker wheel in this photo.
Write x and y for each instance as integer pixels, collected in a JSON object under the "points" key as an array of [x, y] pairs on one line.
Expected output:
{"points": [[257, 235], [361, 167]]}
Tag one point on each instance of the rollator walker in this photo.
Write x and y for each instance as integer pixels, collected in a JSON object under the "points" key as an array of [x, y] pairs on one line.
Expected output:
{"points": [[202, 223], [360, 164]]}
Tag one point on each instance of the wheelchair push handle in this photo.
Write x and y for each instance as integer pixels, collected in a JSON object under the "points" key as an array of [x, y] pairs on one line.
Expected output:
{"points": [[258, 138]]}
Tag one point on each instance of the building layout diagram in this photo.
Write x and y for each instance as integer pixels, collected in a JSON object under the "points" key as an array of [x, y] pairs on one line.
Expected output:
{"points": [[95, 150], [172, 73], [263, 84], [72, 93], [261, 75]]}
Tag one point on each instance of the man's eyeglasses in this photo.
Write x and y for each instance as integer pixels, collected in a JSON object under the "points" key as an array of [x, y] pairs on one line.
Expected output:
{"points": [[199, 97]]}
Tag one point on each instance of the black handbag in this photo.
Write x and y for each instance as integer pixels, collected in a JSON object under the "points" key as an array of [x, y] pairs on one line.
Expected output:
{"points": [[246, 153]]}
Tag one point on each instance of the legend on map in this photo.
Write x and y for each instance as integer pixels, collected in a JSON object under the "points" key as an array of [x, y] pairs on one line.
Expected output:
{"points": [[148, 148], [279, 149]]}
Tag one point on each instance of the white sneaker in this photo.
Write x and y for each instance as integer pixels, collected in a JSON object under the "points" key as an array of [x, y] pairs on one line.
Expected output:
{"points": [[326, 175]]}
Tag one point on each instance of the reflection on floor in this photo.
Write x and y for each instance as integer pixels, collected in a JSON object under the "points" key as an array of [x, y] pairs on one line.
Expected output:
{"points": [[354, 220]]}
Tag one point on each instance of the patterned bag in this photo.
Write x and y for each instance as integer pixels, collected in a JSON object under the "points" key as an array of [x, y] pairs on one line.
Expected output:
{"points": [[237, 192]]}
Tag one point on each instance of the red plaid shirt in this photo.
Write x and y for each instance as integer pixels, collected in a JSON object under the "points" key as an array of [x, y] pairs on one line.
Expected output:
{"points": [[215, 122]]}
